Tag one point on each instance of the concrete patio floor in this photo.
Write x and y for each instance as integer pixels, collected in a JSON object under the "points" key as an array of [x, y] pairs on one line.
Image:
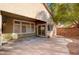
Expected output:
{"points": [[37, 46]]}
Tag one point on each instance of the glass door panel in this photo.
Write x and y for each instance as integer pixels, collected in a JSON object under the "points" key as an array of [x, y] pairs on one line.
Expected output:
{"points": [[41, 30]]}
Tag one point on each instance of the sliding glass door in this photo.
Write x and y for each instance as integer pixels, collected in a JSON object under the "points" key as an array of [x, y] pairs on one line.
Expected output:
{"points": [[41, 30]]}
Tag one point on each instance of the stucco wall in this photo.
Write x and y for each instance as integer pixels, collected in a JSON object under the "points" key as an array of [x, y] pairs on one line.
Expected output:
{"points": [[8, 26], [33, 10]]}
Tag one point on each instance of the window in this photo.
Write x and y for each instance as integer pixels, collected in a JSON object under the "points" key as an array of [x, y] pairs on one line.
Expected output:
{"points": [[28, 29], [23, 27], [50, 27], [17, 28], [32, 27]]}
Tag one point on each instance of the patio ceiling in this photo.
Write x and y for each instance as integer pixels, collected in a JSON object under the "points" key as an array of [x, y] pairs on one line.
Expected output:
{"points": [[16, 16]]}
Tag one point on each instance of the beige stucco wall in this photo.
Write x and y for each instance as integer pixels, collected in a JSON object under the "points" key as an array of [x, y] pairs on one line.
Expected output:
{"points": [[26, 9]]}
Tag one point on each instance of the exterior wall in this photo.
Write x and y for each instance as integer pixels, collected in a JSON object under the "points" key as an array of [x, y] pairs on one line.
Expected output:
{"points": [[33, 10], [8, 26]]}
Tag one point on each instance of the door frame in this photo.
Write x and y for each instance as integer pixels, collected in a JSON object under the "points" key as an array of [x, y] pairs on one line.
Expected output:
{"points": [[45, 30]]}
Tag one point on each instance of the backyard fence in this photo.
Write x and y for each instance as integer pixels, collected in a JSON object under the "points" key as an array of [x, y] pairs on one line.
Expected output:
{"points": [[68, 32]]}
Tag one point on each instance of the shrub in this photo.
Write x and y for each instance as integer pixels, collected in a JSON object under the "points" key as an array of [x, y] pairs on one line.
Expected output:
{"points": [[14, 36], [7, 37]]}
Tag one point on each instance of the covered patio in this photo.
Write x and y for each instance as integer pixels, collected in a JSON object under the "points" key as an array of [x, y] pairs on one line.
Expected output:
{"points": [[22, 25]]}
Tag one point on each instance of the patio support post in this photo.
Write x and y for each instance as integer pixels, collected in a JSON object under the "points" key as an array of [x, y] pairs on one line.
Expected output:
{"points": [[0, 24], [46, 29]]}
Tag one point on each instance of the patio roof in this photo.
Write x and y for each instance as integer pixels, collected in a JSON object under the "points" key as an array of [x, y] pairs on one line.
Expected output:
{"points": [[16, 16]]}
